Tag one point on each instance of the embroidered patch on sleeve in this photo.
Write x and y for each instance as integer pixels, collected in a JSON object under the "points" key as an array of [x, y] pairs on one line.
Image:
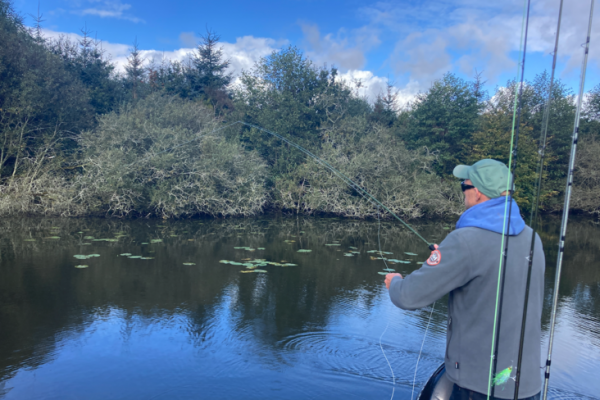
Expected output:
{"points": [[435, 258]]}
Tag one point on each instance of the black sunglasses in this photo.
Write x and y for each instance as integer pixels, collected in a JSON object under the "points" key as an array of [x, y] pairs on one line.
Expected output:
{"points": [[466, 187]]}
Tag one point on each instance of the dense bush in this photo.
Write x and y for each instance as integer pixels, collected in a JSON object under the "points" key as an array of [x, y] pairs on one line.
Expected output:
{"points": [[159, 157], [368, 154]]}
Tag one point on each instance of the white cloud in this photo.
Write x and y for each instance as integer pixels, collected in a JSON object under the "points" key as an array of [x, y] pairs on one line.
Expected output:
{"points": [[345, 51], [242, 54], [468, 35], [369, 86], [108, 9]]}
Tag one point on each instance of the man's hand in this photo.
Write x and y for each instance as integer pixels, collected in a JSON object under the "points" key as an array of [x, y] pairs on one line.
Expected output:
{"points": [[388, 279]]}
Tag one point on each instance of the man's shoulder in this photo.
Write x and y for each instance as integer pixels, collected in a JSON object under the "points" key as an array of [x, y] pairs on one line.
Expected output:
{"points": [[469, 231]]}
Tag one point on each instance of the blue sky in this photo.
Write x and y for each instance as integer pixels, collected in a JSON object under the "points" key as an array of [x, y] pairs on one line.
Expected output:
{"points": [[411, 43]]}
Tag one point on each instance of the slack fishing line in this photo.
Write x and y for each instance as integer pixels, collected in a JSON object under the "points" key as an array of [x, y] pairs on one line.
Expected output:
{"points": [[508, 205], [565, 213], [388, 324], [536, 201], [388, 321]]}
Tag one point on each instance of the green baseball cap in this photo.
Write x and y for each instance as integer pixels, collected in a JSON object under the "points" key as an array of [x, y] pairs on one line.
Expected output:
{"points": [[489, 176]]}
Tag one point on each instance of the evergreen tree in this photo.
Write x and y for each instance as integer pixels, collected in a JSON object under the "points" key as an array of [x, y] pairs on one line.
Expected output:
{"points": [[444, 119], [135, 71]]}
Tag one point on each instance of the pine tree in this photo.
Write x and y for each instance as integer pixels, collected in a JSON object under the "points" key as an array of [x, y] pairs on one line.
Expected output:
{"points": [[135, 70], [210, 68]]}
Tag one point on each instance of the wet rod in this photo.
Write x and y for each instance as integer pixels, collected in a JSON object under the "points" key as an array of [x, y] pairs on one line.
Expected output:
{"points": [[507, 217], [565, 213], [534, 210]]}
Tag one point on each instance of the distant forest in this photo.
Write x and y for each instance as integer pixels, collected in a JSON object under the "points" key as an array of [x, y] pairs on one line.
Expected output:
{"points": [[77, 138]]}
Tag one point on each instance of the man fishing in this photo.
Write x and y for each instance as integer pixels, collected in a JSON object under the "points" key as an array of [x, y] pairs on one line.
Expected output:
{"points": [[466, 266]]}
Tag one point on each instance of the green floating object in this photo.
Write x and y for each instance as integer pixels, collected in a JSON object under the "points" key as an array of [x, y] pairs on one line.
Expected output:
{"points": [[156, 241], [410, 254], [389, 270], [144, 243], [260, 248], [85, 244], [125, 254], [30, 240], [304, 251], [420, 262], [353, 248], [260, 271], [348, 255], [53, 237], [289, 265], [134, 257], [398, 261], [146, 258], [80, 232], [81, 266], [446, 227], [251, 266], [85, 257], [173, 235], [247, 271], [88, 237], [354, 252], [379, 252], [189, 263], [383, 273], [333, 244], [224, 262]]}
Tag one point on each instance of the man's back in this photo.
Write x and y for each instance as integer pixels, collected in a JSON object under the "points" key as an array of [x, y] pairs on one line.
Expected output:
{"points": [[468, 269]]}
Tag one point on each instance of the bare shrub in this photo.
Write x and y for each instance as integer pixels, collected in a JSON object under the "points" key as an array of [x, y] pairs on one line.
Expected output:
{"points": [[368, 154], [159, 158]]}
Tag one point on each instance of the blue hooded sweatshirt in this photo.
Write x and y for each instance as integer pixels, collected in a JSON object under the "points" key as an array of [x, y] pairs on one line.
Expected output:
{"points": [[489, 215]]}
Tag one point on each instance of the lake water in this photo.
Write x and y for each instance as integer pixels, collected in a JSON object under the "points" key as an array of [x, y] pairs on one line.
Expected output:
{"points": [[156, 328]]}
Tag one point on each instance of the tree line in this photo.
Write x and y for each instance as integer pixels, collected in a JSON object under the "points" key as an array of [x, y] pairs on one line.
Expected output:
{"points": [[79, 138]]}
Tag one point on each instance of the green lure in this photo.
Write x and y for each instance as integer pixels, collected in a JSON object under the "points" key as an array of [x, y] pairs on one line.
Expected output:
{"points": [[503, 376]]}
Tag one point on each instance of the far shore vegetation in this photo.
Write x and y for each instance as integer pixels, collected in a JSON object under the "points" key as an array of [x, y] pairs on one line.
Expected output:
{"points": [[79, 139]]}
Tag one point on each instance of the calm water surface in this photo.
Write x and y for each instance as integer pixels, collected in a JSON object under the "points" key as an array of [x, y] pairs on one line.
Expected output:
{"points": [[155, 328]]}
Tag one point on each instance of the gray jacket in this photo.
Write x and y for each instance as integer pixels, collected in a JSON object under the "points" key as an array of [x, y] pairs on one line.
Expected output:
{"points": [[468, 270]]}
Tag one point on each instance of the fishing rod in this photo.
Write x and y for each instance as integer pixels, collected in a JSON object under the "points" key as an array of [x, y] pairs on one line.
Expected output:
{"points": [[565, 213], [359, 189], [534, 210], [512, 162]]}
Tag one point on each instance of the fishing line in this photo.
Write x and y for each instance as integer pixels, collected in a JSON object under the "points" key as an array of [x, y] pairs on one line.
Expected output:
{"points": [[421, 350], [535, 207], [565, 213], [388, 322], [508, 205], [426, 328]]}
